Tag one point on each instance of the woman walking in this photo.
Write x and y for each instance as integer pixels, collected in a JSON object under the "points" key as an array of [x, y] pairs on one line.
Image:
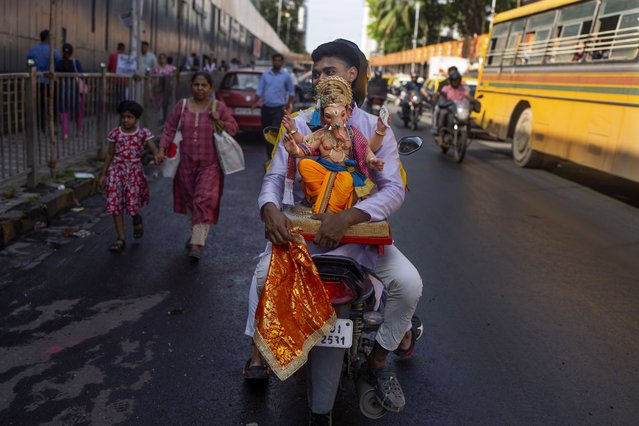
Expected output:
{"points": [[198, 183], [71, 98]]}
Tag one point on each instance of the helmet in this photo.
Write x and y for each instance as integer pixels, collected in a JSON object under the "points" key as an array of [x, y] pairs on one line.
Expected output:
{"points": [[455, 75], [420, 80]]}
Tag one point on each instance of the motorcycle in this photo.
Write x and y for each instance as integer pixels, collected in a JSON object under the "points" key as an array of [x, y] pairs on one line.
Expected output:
{"points": [[455, 133], [374, 104], [411, 109], [358, 298], [376, 95]]}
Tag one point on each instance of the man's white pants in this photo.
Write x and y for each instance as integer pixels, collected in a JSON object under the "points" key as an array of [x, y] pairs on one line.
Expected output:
{"points": [[400, 277]]}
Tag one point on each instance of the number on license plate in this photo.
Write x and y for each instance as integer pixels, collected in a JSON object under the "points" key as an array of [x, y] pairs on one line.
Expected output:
{"points": [[247, 111], [340, 336]]}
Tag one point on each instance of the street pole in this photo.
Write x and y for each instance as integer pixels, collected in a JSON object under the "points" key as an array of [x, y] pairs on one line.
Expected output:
{"points": [[288, 29], [279, 16], [493, 4], [51, 89], [416, 28]]}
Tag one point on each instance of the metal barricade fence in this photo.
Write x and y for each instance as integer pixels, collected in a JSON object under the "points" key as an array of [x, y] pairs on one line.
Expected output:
{"points": [[84, 110], [13, 147]]}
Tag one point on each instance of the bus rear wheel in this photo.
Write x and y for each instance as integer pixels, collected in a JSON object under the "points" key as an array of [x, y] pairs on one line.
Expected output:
{"points": [[523, 153]]}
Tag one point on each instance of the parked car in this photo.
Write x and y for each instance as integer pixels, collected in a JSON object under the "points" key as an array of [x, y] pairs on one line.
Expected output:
{"points": [[237, 91]]}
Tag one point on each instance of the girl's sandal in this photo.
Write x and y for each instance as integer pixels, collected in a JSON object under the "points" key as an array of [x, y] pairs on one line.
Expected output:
{"points": [[138, 229], [118, 245]]}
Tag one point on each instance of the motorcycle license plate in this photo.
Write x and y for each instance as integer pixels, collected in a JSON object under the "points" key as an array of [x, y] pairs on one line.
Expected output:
{"points": [[340, 336]]}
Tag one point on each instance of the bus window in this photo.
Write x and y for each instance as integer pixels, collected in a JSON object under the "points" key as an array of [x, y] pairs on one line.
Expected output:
{"points": [[514, 38], [625, 47], [536, 37], [497, 44], [573, 27], [616, 29]]}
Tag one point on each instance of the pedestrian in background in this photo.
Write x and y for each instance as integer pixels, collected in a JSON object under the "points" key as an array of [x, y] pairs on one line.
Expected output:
{"points": [[147, 59], [112, 63], [198, 183], [209, 66], [70, 96], [276, 91], [40, 55], [161, 85], [127, 189], [117, 85]]}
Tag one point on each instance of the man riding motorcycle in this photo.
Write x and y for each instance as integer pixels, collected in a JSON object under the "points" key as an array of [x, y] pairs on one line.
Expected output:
{"points": [[438, 94], [455, 91], [402, 280], [413, 86]]}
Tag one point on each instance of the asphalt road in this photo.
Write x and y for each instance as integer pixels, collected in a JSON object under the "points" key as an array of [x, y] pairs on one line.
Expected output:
{"points": [[530, 304]]}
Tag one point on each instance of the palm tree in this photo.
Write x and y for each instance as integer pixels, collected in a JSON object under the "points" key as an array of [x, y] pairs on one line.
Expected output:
{"points": [[393, 21]]}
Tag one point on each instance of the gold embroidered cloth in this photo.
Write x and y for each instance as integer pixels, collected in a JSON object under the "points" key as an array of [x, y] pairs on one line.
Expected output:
{"points": [[294, 310]]}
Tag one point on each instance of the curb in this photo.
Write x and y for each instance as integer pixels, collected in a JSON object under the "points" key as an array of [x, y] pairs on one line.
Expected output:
{"points": [[25, 217]]}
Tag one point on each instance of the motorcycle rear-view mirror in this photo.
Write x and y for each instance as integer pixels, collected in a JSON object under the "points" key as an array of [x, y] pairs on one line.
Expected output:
{"points": [[409, 144], [476, 106]]}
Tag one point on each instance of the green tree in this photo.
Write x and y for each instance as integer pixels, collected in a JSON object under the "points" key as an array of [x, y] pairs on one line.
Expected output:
{"points": [[269, 9], [392, 22], [469, 16]]}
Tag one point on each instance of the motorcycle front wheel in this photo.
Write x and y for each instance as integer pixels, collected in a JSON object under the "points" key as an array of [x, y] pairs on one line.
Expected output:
{"points": [[439, 140], [460, 142]]}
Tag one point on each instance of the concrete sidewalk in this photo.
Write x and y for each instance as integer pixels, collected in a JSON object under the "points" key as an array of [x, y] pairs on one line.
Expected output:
{"points": [[22, 210]]}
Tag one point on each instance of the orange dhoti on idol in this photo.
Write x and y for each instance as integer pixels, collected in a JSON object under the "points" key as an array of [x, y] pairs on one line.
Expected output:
{"points": [[328, 190], [294, 310], [332, 187]]}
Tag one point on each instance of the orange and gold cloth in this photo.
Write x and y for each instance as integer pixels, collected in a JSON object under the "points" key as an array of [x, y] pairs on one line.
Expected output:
{"points": [[328, 190], [294, 310]]}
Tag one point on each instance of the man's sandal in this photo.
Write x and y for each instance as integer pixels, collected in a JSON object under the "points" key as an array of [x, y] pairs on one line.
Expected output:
{"points": [[138, 228], [118, 245], [255, 372], [417, 329], [388, 391]]}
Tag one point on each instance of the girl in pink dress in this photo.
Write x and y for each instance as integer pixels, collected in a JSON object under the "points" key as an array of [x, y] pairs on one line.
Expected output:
{"points": [[127, 189], [198, 183]]}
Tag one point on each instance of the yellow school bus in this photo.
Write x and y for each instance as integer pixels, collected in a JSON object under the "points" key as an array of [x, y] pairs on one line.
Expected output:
{"points": [[560, 78]]}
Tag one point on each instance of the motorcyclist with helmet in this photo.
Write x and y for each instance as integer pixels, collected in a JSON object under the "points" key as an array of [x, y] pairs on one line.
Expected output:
{"points": [[413, 86], [455, 91]]}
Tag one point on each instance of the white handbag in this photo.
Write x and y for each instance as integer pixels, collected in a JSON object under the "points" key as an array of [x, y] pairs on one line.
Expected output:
{"points": [[229, 153], [170, 164]]}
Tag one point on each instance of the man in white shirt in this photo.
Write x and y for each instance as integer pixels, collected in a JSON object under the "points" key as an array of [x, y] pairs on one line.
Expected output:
{"points": [[400, 277]]}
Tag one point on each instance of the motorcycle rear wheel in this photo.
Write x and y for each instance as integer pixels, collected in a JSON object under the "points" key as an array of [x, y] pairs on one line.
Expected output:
{"points": [[368, 403]]}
